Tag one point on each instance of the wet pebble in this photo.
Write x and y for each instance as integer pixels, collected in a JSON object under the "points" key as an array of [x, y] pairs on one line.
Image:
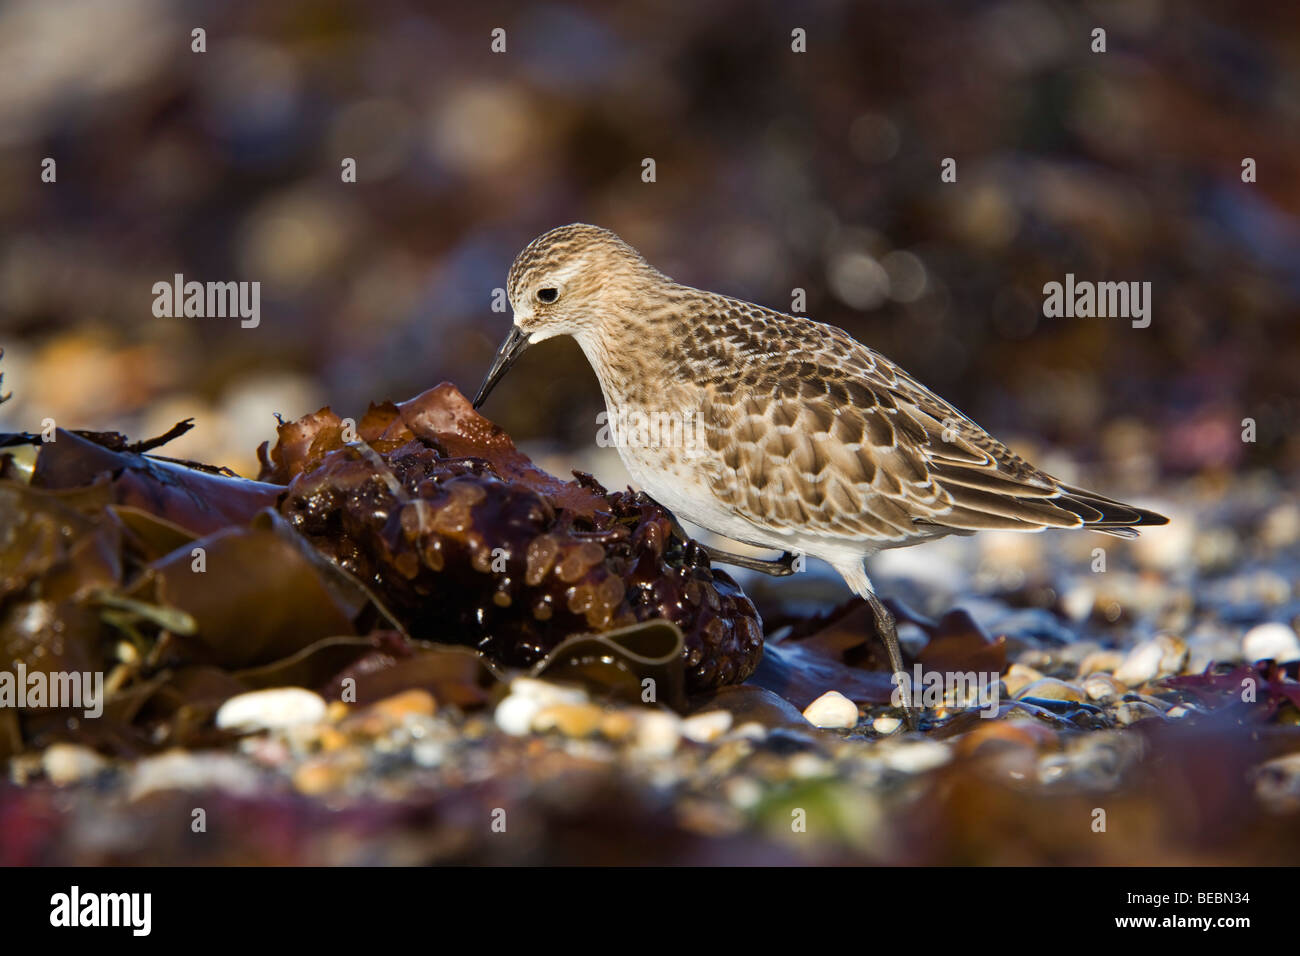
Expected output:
{"points": [[706, 727], [658, 732], [1101, 661], [1273, 641], [1131, 711], [1018, 677], [1102, 687], [68, 763], [528, 697], [183, 770], [571, 720], [1162, 656], [832, 711], [886, 725], [272, 709], [1049, 688], [917, 757]]}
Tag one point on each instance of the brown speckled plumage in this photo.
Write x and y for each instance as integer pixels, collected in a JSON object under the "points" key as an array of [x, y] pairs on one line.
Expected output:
{"points": [[812, 442]]}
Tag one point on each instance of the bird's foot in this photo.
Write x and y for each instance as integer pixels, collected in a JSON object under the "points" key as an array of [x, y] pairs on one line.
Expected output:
{"points": [[888, 630]]}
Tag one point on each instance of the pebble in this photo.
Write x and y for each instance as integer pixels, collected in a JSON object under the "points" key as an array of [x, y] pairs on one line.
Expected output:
{"points": [[183, 770], [1019, 676], [706, 727], [1131, 711], [886, 725], [384, 715], [1161, 656], [1102, 687], [808, 766], [1078, 603], [68, 763], [617, 725], [317, 776], [832, 711], [271, 709], [1098, 661], [1272, 641], [544, 692], [917, 757], [515, 714], [572, 720], [658, 733], [1050, 688]]}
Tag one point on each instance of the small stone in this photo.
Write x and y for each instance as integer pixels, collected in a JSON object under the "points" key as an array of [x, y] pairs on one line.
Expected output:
{"points": [[546, 692], [706, 727], [68, 763], [1050, 688], [749, 730], [1101, 662], [571, 720], [658, 733], [1078, 603], [617, 725], [429, 753], [917, 757], [336, 711], [1019, 676], [808, 766], [400, 706], [318, 776], [515, 714], [886, 725], [1273, 641], [743, 793], [832, 711], [1162, 656], [271, 710], [1131, 711], [385, 715], [183, 770], [1102, 687]]}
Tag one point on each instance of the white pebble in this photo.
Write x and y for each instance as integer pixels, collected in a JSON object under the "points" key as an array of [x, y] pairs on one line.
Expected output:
{"points": [[1162, 656], [1273, 641], [886, 725], [917, 757], [271, 709], [703, 728], [832, 710], [68, 763], [183, 770], [515, 714], [547, 693], [658, 732]]}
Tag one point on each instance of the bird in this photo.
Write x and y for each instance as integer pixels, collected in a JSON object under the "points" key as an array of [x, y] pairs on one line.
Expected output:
{"points": [[793, 436]]}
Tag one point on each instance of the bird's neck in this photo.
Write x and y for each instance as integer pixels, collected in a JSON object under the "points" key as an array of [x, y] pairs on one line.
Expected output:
{"points": [[629, 353]]}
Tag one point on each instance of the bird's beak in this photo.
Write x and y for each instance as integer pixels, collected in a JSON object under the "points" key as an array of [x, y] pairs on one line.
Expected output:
{"points": [[515, 345]]}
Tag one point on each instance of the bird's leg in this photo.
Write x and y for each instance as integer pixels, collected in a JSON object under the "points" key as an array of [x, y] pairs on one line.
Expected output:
{"points": [[779, 567], [889, 634]]}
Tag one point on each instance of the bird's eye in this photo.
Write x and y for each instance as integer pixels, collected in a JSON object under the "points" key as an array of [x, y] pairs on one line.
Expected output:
{"points": [[548, 295]]}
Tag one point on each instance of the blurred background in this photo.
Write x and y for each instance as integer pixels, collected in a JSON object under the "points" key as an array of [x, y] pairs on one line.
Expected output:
{"points": [[775, 170]]}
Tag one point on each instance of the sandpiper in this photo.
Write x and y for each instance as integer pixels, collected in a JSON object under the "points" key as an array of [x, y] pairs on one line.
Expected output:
{"points": [[814, 444]]}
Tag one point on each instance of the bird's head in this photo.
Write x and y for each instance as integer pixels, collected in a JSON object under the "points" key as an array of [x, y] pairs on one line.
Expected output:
{"points": [[569, 281]]}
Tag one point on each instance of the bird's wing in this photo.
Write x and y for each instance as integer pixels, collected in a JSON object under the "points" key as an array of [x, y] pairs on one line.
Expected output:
{"points": [[828, 436]]}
